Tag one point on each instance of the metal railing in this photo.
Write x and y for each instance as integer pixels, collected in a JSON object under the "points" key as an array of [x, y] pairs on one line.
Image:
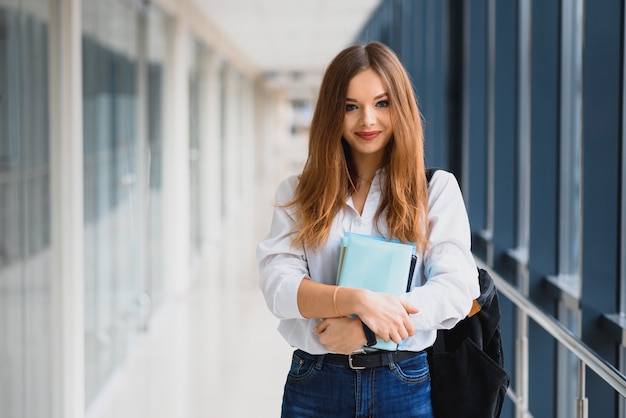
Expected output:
{"points": [[575, 345]]}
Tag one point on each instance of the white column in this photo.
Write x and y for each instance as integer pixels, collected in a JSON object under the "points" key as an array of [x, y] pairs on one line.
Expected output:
{"points": [[266, 159], [232, 181], [176, 164], [248, 149], [211, 149], [66, 176]]}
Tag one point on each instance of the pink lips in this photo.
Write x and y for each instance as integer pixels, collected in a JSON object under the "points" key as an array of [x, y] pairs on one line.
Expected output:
{"points": [[368, 136]]}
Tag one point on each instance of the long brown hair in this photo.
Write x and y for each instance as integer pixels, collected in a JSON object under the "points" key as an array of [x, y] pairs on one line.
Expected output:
{"points": [[329, 177]]}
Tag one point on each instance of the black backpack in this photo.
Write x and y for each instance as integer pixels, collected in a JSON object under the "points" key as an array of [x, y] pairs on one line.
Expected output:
{"points": [[466, 362]]}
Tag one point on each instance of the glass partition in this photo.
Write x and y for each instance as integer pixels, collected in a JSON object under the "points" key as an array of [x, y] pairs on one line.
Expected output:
{"points": [[111, 168], [156, 30], [197, 74], [25, 262]]}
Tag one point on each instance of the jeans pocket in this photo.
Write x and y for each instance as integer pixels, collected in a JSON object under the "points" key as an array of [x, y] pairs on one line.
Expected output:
{"points": [[302, 368], [413, 370]]}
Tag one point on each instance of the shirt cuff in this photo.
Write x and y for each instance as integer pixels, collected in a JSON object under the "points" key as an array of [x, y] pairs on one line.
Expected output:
{"points": [[287, 297]]}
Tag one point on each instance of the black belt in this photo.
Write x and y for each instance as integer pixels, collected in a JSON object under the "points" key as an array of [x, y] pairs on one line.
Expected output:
{"points": [[369, 360]]}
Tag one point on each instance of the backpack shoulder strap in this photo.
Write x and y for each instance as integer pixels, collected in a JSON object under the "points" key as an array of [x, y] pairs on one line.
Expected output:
{"points": [[429, 173]]}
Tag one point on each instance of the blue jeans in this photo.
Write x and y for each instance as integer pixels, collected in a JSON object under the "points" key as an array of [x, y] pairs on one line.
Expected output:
{"points": [[316, 389]]}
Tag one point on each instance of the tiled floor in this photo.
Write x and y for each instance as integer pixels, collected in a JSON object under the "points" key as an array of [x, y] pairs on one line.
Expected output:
{"points": [[210, 353]]}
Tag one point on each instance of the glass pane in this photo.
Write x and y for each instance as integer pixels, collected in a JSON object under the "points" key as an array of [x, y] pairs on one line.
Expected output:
{"points": [[156, 40], [25, 280], [112, 220], [196, 102], [571, 131], [570, 198]]}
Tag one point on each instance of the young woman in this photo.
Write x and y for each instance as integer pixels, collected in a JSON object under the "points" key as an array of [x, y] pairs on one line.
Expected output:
{"points": [[365, 174]]}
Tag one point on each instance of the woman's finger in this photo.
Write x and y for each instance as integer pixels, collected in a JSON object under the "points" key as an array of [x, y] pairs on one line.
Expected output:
{"points": [[321, 327]]}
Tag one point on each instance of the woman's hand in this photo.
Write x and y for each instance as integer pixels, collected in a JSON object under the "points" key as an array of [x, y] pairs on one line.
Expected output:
{"points": [[386, 315], [341, 335]]}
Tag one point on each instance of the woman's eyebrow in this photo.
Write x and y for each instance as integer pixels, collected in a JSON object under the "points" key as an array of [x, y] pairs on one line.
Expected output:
{"points": [[380, 96]]}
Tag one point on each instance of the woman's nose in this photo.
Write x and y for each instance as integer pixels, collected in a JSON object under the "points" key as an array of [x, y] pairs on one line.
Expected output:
{"points": [[368, 116]]}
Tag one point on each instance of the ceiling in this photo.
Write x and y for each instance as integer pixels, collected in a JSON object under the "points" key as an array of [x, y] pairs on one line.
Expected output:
{"points": [[290, 41]]}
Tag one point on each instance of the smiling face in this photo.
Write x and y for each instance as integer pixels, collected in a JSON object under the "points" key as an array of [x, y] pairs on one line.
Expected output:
{"points": [[367, 122]]}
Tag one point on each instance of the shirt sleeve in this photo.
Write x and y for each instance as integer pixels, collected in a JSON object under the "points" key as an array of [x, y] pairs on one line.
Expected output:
{"points": [[282, 265], [449, 267]]}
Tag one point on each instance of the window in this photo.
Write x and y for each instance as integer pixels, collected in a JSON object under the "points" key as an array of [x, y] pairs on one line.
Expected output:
{"points": [[113, 223], [156, 68], [569, 185], [196, 111], [26, 329]]}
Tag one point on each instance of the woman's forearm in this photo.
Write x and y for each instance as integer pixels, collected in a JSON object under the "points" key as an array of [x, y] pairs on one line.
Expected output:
{"points": [[386, 315], [317, 300]]}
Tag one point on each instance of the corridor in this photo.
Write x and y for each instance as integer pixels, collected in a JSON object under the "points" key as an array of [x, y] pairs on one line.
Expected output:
{"points": [[210, 353]]}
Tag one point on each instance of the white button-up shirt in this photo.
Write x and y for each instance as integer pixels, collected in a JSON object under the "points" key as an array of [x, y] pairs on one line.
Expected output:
{"points": [[445, 280]]}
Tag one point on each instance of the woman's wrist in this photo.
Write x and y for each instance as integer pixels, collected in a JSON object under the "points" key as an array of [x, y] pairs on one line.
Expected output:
{"points": [[347, 301], [335, 292]]}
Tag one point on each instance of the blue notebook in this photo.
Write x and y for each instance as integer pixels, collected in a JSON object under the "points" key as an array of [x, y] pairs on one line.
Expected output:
{"points": [[377, 264]]}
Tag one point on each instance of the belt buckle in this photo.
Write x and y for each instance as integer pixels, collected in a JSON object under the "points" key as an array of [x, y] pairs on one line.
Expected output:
{"points": [[352, 366]]}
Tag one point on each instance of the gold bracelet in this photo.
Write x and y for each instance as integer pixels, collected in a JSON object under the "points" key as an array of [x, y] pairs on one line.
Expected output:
{"points": [[335, 301]]}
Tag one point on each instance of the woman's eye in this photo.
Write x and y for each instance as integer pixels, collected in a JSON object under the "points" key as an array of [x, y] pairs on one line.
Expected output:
{"points": [[350, 107], [382, 103]]}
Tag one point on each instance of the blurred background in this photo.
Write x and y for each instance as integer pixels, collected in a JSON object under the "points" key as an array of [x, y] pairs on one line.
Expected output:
{"points": [[141, 142]]}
